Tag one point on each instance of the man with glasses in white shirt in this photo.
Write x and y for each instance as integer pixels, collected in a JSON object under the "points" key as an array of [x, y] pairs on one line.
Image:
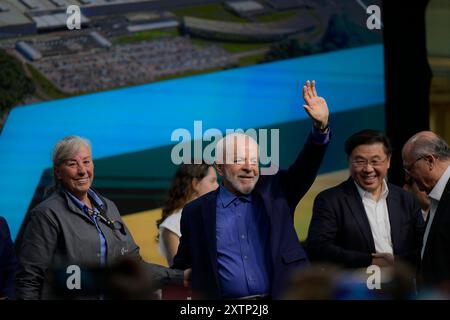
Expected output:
{"points": [[365, 220], [426, 160]]}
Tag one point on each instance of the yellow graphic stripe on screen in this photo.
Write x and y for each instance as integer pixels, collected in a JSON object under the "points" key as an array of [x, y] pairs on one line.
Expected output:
{"points": [[142, 226]]}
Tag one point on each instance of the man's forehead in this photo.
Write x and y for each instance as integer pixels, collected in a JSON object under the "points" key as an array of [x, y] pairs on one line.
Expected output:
{"points": [[406, 151], [240, 140], [247, 153], [371, 149], [242, 146]]}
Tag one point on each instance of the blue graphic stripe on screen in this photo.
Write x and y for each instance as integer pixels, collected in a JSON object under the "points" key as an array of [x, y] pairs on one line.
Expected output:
{"points": [[143, 117]]}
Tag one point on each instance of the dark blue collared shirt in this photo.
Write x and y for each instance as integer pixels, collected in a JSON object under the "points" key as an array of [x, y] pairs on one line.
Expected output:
{"points": [[243, 250], [85, 209]]}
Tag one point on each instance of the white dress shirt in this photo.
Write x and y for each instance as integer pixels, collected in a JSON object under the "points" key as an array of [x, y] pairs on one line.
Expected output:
{"points": [[378, 216], [435, 196], [171, 223]]}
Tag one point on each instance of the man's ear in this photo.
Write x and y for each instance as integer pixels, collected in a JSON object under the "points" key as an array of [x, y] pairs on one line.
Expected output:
{"points": [[430, 160], [219, 168]]}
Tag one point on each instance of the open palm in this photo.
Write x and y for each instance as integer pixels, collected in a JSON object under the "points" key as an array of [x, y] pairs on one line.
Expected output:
{"points": [[316, 106]]}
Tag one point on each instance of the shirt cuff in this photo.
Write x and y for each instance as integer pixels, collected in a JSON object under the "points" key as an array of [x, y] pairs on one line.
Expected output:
{"points": [[319, 137]]}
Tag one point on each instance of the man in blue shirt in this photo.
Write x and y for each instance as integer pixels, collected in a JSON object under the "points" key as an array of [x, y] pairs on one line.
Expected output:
{"points": [[240, 240]]}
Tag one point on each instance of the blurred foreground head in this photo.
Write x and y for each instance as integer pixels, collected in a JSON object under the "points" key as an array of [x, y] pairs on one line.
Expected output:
{"points": [[126, 278], [327, 282]]}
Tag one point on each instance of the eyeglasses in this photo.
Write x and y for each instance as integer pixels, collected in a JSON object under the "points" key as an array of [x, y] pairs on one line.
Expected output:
{"points": [[408, 169], [360, 163]]}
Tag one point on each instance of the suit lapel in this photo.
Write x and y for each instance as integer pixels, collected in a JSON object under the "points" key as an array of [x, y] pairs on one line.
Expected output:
{"points": [[356, 206], [271, 218], [394, 209], [442, 209], [209, 221], [266, 199], [444, 202]]}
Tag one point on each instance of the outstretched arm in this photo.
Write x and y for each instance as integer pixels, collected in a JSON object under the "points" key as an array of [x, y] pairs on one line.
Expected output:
{"points": [[302, 173]]}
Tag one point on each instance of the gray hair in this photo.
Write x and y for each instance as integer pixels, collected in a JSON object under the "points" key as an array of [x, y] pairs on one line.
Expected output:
{"points": [[67, 147], [228, 142], [430, 144]]}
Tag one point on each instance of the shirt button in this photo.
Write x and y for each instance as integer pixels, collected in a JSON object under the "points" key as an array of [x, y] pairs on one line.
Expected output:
{"points": [[243, 236], [245, 257]]}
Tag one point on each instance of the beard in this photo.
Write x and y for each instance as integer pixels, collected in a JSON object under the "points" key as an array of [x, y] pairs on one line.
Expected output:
{"points": [[243, 188]]}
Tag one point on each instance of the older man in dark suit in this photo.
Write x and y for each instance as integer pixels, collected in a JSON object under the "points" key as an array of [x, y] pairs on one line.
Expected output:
{"points": [[240, 239], [426, 160]]}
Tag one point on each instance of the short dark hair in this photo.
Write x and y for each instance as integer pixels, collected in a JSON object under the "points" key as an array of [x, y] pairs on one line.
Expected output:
{"points": [[367, 136]]}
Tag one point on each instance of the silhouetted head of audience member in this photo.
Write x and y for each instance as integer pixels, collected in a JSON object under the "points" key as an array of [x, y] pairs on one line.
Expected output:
{"points": [[126, 278], [328, 282]]}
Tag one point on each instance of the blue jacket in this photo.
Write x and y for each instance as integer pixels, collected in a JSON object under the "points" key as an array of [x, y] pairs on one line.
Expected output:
{"points": [[8, 262], [280, 194]]}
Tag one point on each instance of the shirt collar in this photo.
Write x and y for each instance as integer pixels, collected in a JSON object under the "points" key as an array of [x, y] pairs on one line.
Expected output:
{"points": [[226, 197], [438, 189], [95, 198], [365, 194]]}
